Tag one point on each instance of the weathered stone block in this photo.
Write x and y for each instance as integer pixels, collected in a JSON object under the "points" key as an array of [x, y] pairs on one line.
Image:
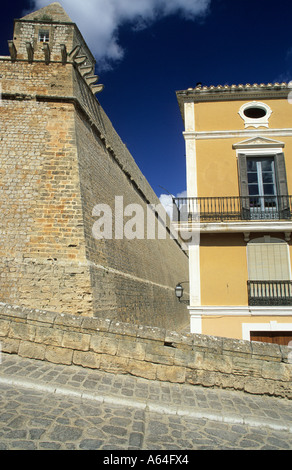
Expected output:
{"points": [[179, 340], [22, 331], [186, 358], [259, 386], [276, 371], [153, 333], [217, 363], [204, 378], [191, 376], [74, 340], [174, 374], [147, 370], [210, 343], [286, 352], [10, 345], [86, 359], [283, 389], [4, 327], [59, 355], [266, 351], [17, 314], [132, 349], [159, 354], [104, 344], [229, 381], [68, 321], [32, 350], [247, 367], [69, 158], [114, 364], [96, 324], [50, 336], [120, 328], [36, 316], [236, 347]]}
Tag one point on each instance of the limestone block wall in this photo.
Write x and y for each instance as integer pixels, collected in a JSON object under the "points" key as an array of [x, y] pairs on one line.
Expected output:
{"points": [[133, 280], [60, 156], [42, 253], [148, 352]]}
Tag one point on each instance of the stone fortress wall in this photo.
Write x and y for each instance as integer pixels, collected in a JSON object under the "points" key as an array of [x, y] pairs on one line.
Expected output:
{"points": [[60, 156]]}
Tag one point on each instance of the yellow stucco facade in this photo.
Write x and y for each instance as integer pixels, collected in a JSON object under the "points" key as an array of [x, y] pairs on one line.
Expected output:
{"points": [[239, 172], [223, 282]]}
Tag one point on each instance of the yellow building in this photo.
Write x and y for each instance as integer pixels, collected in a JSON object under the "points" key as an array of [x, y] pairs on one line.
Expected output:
{"points": [[239, 179]]}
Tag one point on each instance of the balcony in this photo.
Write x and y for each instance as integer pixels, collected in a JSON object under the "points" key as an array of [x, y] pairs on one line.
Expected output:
{"points": [[232, 209], [269, 293]]}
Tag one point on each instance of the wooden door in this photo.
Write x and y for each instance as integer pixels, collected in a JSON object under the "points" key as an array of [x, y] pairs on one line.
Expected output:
{"points": [[277, 337]]}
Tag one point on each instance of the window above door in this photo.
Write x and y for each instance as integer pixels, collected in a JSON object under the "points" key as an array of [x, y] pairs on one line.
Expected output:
{"points": [[262, 178], [261, 183], [261, 167]]}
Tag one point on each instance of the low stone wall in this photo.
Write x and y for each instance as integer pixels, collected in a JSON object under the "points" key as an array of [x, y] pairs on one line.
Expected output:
{"points": [[151, 353]]}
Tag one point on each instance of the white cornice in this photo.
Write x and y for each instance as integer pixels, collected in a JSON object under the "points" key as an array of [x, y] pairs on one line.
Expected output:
{"points": [[231, 134], [233, 227], [231, 310]]}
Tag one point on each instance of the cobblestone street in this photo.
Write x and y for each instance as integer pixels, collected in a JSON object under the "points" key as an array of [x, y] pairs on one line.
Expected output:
{"points": [[47, 406]]}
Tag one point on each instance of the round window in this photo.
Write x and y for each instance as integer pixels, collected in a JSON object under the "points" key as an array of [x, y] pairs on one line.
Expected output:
{"points": [[254, 113]]}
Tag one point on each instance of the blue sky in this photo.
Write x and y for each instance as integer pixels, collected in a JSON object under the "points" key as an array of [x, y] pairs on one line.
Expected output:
{"points": [[145, 57]]}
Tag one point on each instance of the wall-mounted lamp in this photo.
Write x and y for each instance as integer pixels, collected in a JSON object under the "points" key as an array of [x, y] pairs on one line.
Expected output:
{"points": [[179, 290]]}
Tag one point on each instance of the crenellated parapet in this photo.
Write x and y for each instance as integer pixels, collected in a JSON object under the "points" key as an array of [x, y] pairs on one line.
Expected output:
{"points": [[50, 36]]}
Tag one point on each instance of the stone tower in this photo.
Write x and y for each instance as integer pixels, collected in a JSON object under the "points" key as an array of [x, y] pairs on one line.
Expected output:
{"points": [[60, 156]]}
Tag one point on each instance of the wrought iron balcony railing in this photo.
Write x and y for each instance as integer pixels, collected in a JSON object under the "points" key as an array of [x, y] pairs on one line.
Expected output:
{"points": [[269, 293], [232, 208]]}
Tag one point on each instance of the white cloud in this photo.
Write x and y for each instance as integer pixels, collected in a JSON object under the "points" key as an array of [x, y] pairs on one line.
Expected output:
{"points": [[166, 201], [99, 20], [182, 194]]}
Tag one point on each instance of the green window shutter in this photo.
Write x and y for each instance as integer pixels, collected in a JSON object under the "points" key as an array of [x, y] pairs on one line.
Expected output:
{"points": [[282, 187], [242, 175], [243, 185], [281, 175]]}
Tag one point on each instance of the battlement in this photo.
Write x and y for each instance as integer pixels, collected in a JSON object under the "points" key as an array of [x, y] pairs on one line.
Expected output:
{"points": [[50, 36]]}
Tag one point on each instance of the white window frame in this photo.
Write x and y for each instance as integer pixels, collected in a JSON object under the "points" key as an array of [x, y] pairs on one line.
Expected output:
{"points": [[255, 122], [260, 182], [44, 35]]}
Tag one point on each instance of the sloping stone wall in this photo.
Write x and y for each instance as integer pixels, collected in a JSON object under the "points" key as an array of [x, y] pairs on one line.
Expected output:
{"points": [[60, 158], [148, 352]]}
